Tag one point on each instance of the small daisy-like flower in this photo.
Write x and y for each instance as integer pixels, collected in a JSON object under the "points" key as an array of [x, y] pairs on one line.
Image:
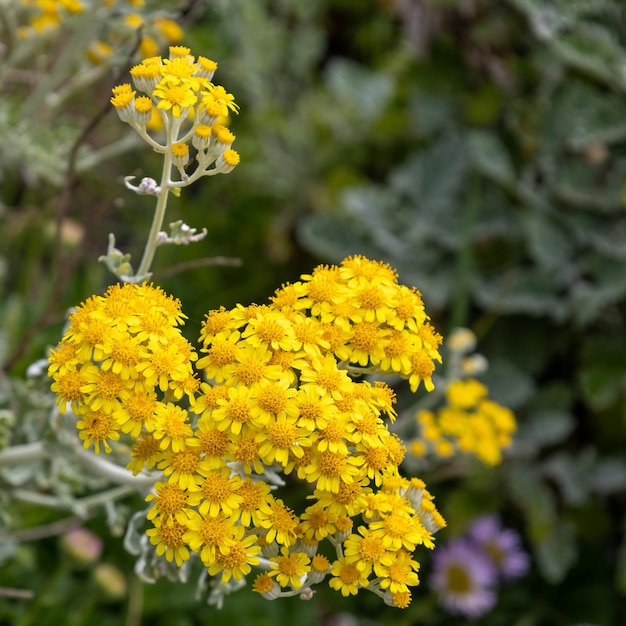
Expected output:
{"points": [[170, 500], [226, 101], [167, 536], [266, 586], [328, 469], [347, 578], [219, 493], [399, 530], [253, 495], [501, 545], [236, 556], [400, 573], [145, 453], [279, 520], [290, 568], [97, 427], [172, 427], [320, 566], [317, 522], [282, 441], [463, 579], [368, 552], [175, 98], [181, 466], [206, 533]]}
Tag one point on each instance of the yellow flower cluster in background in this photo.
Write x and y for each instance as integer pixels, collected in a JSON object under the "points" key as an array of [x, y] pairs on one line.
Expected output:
{"points": [[178, 90], [469, 423], [48, 17], [277, 399]]}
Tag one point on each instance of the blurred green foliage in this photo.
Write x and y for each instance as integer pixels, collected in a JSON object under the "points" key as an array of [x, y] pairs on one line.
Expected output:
{"points": [[477, 146]]}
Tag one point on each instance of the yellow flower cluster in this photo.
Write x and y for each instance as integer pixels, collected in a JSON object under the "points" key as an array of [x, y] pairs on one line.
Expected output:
{"points": [[277, 399], [122, 19], [470, 422], [176, 88], [48, 15], [121, 364]]}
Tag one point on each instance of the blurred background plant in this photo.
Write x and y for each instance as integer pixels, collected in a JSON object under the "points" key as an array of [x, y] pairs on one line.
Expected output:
{"points": [[476, 146]]}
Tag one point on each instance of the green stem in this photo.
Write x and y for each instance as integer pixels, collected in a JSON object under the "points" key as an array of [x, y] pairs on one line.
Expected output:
{"points": [[460, 309], [159, 215], [135, 602], [43, 597]]}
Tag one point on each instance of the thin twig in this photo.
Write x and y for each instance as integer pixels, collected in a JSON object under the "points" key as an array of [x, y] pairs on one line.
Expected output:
{"points": [[46, 530], [196, 263], [19, 594]]}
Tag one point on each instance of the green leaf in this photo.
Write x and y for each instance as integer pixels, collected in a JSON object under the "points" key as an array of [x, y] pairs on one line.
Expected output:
{"points": [[518, 290], [570, 474], [490, 157], [549, 427], [508, 383], [606, 286], [603, 371], [557, 552], [609, 476], [358, 88], [432, 180], [548, 244], [593, 48]]}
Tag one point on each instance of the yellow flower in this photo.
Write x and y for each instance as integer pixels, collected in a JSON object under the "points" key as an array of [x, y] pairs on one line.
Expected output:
{"points": [[219, 363], [266, 586], [465, 394], [176, 98], [282, 441], [328, 379], [137, 412], [272, 399], [328, 469], [236, 412], [170, 500], [317, 522], [169, 29], [253, 494], [401, 530], [367, 552], [206, 533], [347, 578], [167, 536], [172, 427], [145, 452], [97, 427], [290, 568], [218, 94], [98, 52], [236, 556], [219, 493], [182, 71], [320, 566], [270, 329], [279, 520], [181, 466], [399, 573]]}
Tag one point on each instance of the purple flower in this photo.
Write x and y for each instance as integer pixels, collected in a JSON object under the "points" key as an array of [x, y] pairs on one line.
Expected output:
{"points": [[501, 545], [464, 579]]}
